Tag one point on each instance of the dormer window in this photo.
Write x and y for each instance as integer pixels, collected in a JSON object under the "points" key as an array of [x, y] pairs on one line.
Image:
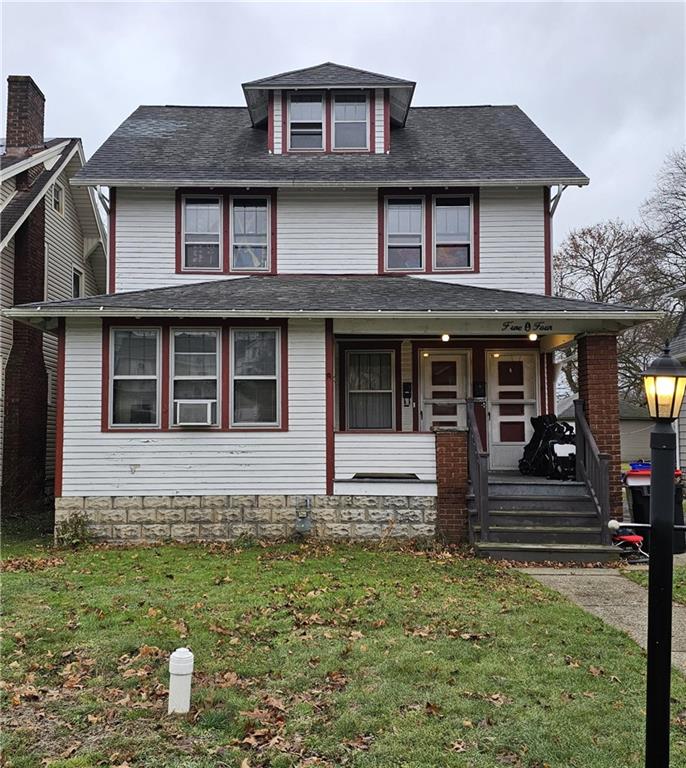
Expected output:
{"points": [[350, 122], [306, 121]]}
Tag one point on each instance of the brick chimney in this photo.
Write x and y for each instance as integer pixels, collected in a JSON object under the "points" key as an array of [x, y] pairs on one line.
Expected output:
{"points": [[25, 113]]}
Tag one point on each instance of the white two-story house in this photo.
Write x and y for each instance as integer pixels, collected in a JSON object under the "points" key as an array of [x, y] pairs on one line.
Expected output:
{"points": [[328, 311]]}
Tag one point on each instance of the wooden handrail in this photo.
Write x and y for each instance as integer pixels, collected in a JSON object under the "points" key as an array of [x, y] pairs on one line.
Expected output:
{"points": [[478, 471], [593, 467]]}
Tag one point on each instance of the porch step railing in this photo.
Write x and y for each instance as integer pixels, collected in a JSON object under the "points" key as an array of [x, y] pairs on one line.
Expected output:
{"points": [[593, 468], [478, 471]]}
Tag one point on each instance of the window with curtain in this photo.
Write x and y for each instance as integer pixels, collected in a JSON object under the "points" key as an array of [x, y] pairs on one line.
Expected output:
{"points": [[255, 376], [135, 376], [370, 394], [202, 233], [404, 236], [195, 371], [306, 121], [453, 232], [250, 234], [350, 122]]}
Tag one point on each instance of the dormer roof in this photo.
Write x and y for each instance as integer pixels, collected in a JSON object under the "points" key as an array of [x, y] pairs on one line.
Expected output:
{"points": [[328, 76]]}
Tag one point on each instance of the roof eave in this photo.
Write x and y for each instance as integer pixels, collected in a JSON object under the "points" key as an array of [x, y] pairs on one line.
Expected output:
{"points": [[578, 181]]}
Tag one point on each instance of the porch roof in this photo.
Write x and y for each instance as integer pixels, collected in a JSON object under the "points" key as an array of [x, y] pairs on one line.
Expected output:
{"points": [[343, 296]]}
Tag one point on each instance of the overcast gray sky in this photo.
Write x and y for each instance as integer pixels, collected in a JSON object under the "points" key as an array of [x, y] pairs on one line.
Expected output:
{"points": [[606, 81]]}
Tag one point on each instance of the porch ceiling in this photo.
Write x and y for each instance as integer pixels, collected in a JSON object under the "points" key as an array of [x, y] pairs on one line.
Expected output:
{"points": [[387, 300]]}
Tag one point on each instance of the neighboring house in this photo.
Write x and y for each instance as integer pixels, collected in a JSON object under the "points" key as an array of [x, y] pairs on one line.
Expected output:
{"points": [[322, 307], [678, 349], [634, 428], [52, 247]]}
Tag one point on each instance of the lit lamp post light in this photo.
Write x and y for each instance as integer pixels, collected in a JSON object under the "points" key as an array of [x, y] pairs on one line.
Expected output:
{"points": [[664, 382]]}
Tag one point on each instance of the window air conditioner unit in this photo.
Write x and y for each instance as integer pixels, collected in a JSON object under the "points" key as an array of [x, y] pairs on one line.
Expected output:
{"points": [[194, 413]]}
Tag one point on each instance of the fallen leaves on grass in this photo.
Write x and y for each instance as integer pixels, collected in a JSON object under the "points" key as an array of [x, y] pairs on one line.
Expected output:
{"points": [[13, 564]]}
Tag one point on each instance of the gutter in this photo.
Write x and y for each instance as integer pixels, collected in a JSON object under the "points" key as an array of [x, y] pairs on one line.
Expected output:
{"points": [[259, 183], [48, 311]]}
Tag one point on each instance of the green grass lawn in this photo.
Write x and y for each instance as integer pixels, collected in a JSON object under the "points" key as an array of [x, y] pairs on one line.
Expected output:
{"points": [[641, 577], [312, 656]]}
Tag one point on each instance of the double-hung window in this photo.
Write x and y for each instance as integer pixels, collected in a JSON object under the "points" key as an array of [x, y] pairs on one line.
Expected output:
{"points": [[306, 121], [369, 385], [255, 377], [350, 122], [195, 372], [453, 232], [76, 283], [404, 233], [135, 377], [250, 234], [202, 228]]}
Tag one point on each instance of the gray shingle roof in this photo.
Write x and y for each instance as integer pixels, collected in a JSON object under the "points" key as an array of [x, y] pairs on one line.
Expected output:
{"points": [[328, 75], [215, 146], [627, 411], [337, 294], [16, 207]]}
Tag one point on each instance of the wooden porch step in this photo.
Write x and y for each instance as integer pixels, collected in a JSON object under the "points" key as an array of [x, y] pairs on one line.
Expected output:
{"points": [[505, 502], [539, 534], [536, 553], [542, 517]]}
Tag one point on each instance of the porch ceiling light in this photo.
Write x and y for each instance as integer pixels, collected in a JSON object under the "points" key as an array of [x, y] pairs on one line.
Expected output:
{"points": [[533, 337], [445, 337], [665, 382]]}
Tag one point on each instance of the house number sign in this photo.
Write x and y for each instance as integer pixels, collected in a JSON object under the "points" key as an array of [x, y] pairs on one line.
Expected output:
{"points": [[535, 326]]}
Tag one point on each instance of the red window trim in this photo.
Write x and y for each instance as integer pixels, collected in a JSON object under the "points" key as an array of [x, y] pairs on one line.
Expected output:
{"points": [[270, 122], [394, 346], [225, 195], [112, 254], [428, 195], [386, 121], [328, 148], [225, 373], [329, 353]]}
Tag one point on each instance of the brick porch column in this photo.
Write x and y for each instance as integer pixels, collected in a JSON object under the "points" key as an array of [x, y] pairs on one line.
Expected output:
{"points": [[451, 482], [598, 388]]}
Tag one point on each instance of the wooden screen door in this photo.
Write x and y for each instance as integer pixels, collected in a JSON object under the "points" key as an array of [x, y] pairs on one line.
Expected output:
{"points": [[512, 401], [443, 389]]}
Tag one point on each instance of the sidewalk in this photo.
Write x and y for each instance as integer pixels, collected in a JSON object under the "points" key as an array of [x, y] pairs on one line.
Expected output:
{"points": [[616, 600]]}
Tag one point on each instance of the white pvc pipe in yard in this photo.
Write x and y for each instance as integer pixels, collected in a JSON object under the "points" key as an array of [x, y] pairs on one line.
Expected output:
{"points": [[180, 676]]}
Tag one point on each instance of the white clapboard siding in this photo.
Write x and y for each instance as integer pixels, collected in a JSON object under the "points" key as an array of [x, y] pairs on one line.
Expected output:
{"points": [[327, 231], [277, 128], [379, 126], [511, 241], [146, 241], [64, 241], [192, 463], [389, 452]]}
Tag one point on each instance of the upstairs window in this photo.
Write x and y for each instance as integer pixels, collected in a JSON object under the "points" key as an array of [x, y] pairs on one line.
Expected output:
{"points": [[404, 233], [58, 198], [135, 377], [255, 377], [350, 130], [453, 233], [306, 121], [250, 235], [76, 283], [202, 233], [195, 371]]}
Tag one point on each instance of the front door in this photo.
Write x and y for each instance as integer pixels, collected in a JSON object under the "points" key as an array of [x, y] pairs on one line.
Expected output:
{"points": [[443, 389], [512, 401]]}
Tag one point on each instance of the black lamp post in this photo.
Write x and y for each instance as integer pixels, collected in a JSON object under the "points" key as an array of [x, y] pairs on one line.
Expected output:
{"points": [[665, 382]]}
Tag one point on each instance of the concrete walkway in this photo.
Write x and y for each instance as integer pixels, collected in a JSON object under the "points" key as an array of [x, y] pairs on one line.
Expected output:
{"points": [[605, 593]]}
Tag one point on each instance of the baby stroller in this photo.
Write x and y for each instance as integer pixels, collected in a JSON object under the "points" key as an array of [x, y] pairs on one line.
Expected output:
{"points": [[550, 452], [628, 542]]}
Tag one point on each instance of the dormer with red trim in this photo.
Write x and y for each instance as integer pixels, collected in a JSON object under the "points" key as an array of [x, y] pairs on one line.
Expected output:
{"points": [[329, 108]]}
